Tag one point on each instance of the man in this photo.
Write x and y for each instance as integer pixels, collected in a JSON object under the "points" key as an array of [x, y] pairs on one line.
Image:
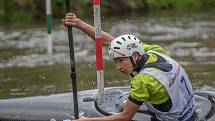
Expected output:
{"points": [[156, 79]]}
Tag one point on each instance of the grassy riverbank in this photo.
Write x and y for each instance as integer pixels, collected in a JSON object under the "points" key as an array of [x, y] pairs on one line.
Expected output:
{"points": [[44, 80], [34, 10]]}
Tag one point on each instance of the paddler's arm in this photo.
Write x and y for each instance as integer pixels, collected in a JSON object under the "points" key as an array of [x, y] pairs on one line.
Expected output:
{"points": [[72, 20], [129, 110]]}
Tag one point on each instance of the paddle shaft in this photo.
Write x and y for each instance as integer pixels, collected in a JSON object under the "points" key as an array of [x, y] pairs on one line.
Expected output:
{"points": [[72, 62]]}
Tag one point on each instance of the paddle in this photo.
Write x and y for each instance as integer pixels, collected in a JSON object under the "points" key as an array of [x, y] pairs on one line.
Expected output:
{"points": [[72, 62]]}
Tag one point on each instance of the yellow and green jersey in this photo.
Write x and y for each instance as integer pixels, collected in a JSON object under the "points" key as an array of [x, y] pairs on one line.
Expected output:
{"points": [[145, 87]]}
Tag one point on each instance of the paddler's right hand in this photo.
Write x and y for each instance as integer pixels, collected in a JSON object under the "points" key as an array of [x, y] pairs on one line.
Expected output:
{"points": [[70, 20], [83, 119]]}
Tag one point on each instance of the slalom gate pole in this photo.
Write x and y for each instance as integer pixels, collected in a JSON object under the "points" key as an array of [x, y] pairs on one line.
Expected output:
{"points": [[72, 61], [49, 27], [99, 60]]}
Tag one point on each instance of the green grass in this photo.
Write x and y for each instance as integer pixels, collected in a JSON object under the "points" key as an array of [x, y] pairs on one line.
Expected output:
{"points": [[180, 5], [201, 74], [33, 81], [6, 53], [45, 80]]}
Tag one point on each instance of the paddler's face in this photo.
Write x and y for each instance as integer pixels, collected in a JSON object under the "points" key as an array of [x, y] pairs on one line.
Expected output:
{"points": [[124, 65]]}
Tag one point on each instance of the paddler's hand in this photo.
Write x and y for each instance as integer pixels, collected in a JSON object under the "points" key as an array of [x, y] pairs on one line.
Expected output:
{"points": [[83, 119], [70, 20]]}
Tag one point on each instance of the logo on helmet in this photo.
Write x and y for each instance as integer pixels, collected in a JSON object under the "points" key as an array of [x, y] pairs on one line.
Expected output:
{"points": [[131, 46]]}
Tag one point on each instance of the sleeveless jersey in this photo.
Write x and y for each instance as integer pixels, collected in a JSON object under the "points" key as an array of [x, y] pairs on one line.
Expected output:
{"points": [[178, 87]]}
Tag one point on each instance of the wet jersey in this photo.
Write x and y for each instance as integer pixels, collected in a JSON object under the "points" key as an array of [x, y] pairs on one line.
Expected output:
{"points": [[174, 81], [151, 89]]}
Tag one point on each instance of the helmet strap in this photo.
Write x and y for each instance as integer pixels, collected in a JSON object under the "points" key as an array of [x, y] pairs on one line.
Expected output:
{"points": [[134, 66], [140, 62], [132, 75], [133, 63]]}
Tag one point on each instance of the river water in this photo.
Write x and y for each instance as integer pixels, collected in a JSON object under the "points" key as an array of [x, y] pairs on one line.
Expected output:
{"points": [[26, 69]]}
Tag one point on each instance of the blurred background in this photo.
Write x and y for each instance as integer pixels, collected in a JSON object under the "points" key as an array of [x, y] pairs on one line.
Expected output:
{"points": [[186, 28]]}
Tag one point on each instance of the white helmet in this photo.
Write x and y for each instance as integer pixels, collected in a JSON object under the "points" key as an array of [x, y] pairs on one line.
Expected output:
{"points": [[125, 46]]}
